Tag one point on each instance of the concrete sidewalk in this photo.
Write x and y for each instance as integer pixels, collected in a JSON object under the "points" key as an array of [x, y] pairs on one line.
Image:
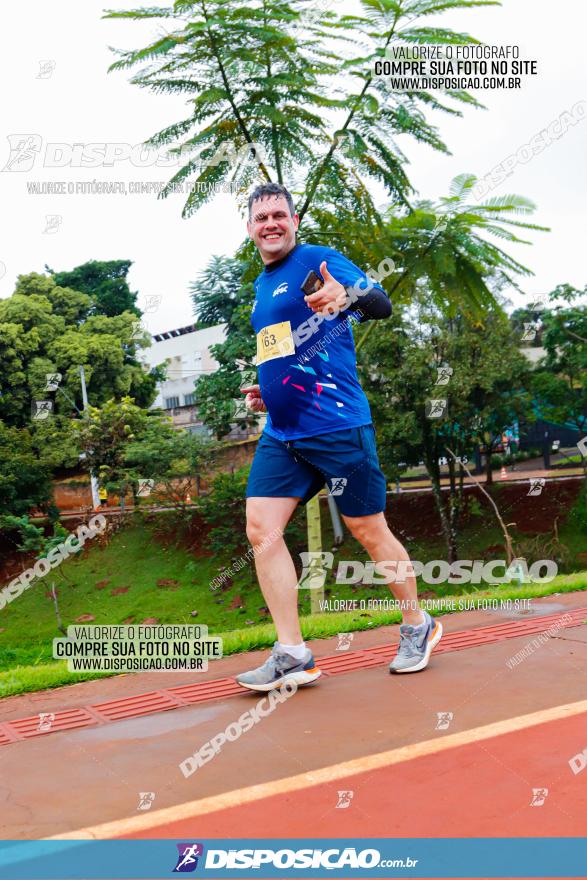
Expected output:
{"points": [[75, 779]]}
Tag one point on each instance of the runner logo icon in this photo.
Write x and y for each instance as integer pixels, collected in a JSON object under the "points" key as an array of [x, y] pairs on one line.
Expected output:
{"points": [[187, 860], [338, 484], [281, 289]]}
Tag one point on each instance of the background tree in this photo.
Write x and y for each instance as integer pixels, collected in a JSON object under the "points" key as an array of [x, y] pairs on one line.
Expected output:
{"points": [[105, 434], [257, 75], [106, 284], [31, 539], [445, 249], [257, 72], [175, 461], [25, 481], [560, 379], [223, 509], [44, 329], [400, 370], [222, 296]]}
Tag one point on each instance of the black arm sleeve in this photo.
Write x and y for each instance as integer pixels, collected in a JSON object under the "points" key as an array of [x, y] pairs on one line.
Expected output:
{"points": [[374, 304]]}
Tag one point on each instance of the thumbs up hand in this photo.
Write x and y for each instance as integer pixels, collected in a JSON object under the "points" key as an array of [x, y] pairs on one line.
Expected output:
{"points": [[331, 298]]}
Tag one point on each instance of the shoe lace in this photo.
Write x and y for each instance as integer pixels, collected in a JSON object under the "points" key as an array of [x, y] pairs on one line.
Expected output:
{"points": [[407, 642], [277, 662]]}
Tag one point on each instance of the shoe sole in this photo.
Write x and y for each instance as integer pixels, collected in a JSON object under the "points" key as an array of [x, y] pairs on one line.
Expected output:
{"points": [[307, 676], [432, 642]]}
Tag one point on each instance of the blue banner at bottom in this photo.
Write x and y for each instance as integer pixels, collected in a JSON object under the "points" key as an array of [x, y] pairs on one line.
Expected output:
{"points": [[285, 858]]}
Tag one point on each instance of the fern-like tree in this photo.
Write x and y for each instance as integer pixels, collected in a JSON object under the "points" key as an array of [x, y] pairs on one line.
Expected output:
{"points": [[445, 248], [276, 94]]}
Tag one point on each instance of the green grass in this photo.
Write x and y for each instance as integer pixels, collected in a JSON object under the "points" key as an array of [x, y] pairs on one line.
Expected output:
{"points": [[137, 559], [22, 679], [568, 459], [134, 559]]}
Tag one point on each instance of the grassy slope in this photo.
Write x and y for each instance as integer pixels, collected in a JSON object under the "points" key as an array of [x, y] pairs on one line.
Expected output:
{"points": [[137, 560]]}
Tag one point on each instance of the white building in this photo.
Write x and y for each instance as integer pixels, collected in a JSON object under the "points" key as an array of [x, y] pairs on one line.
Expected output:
{"points": [[533, 354], [186, 351], [187, 354]]}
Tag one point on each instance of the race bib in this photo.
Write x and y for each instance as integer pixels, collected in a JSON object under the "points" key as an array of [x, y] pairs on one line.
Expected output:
{"points": [[275, 341]]}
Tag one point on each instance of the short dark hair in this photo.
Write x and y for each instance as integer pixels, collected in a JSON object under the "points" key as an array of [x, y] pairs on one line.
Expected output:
{"points": [[271, 189]]}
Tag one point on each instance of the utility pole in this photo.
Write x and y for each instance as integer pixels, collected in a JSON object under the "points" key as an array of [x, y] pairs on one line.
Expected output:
{"points": [[93, 480]]}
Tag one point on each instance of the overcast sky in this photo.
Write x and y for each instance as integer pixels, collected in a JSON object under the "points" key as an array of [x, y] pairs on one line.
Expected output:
{"points": [[71, 99]]}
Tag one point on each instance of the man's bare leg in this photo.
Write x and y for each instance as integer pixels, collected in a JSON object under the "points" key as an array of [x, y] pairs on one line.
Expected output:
{"points": [[382, 546], [275, 568], [291, 661]]}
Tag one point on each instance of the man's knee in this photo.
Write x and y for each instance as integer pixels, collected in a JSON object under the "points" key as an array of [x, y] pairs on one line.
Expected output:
{"points": [[256, 529], [368, 530], [261, 530], [267, 519]]}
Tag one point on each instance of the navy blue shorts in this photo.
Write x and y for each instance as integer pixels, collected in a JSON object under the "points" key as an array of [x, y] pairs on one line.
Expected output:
{"points": [[346, 461]]}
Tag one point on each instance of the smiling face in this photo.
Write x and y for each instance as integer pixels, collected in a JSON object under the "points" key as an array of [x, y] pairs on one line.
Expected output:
{"points": [[272, 227]]}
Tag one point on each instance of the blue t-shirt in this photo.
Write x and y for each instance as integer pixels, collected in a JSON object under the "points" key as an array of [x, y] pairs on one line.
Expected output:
{"points": [[306, 363]]}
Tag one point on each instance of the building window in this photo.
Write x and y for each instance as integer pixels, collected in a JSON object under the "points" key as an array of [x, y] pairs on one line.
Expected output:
{"points": [[171, 402], [189, 399]]}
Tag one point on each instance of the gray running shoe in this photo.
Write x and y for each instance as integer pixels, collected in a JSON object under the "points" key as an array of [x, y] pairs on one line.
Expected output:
{"points": [[279, 669], [415, 645]]}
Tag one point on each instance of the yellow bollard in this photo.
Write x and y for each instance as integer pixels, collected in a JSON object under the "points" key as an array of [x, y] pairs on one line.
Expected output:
{"points": [[316, 575]]}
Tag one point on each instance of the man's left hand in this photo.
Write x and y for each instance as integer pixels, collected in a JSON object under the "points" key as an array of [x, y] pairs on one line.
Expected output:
{"points": [[331, 298]]}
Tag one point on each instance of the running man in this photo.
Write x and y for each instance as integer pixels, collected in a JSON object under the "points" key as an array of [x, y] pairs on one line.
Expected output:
{"points": [[319, 430]]}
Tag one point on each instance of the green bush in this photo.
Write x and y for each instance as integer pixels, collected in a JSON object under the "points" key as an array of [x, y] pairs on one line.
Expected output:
{"points": [[578, 514], [224, 509]]}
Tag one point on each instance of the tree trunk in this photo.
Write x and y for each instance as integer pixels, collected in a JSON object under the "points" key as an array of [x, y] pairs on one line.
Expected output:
{"points": [[488, 471], [453, 552], [60, 626], [431, 462], [454, 510], [437, 492]]}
